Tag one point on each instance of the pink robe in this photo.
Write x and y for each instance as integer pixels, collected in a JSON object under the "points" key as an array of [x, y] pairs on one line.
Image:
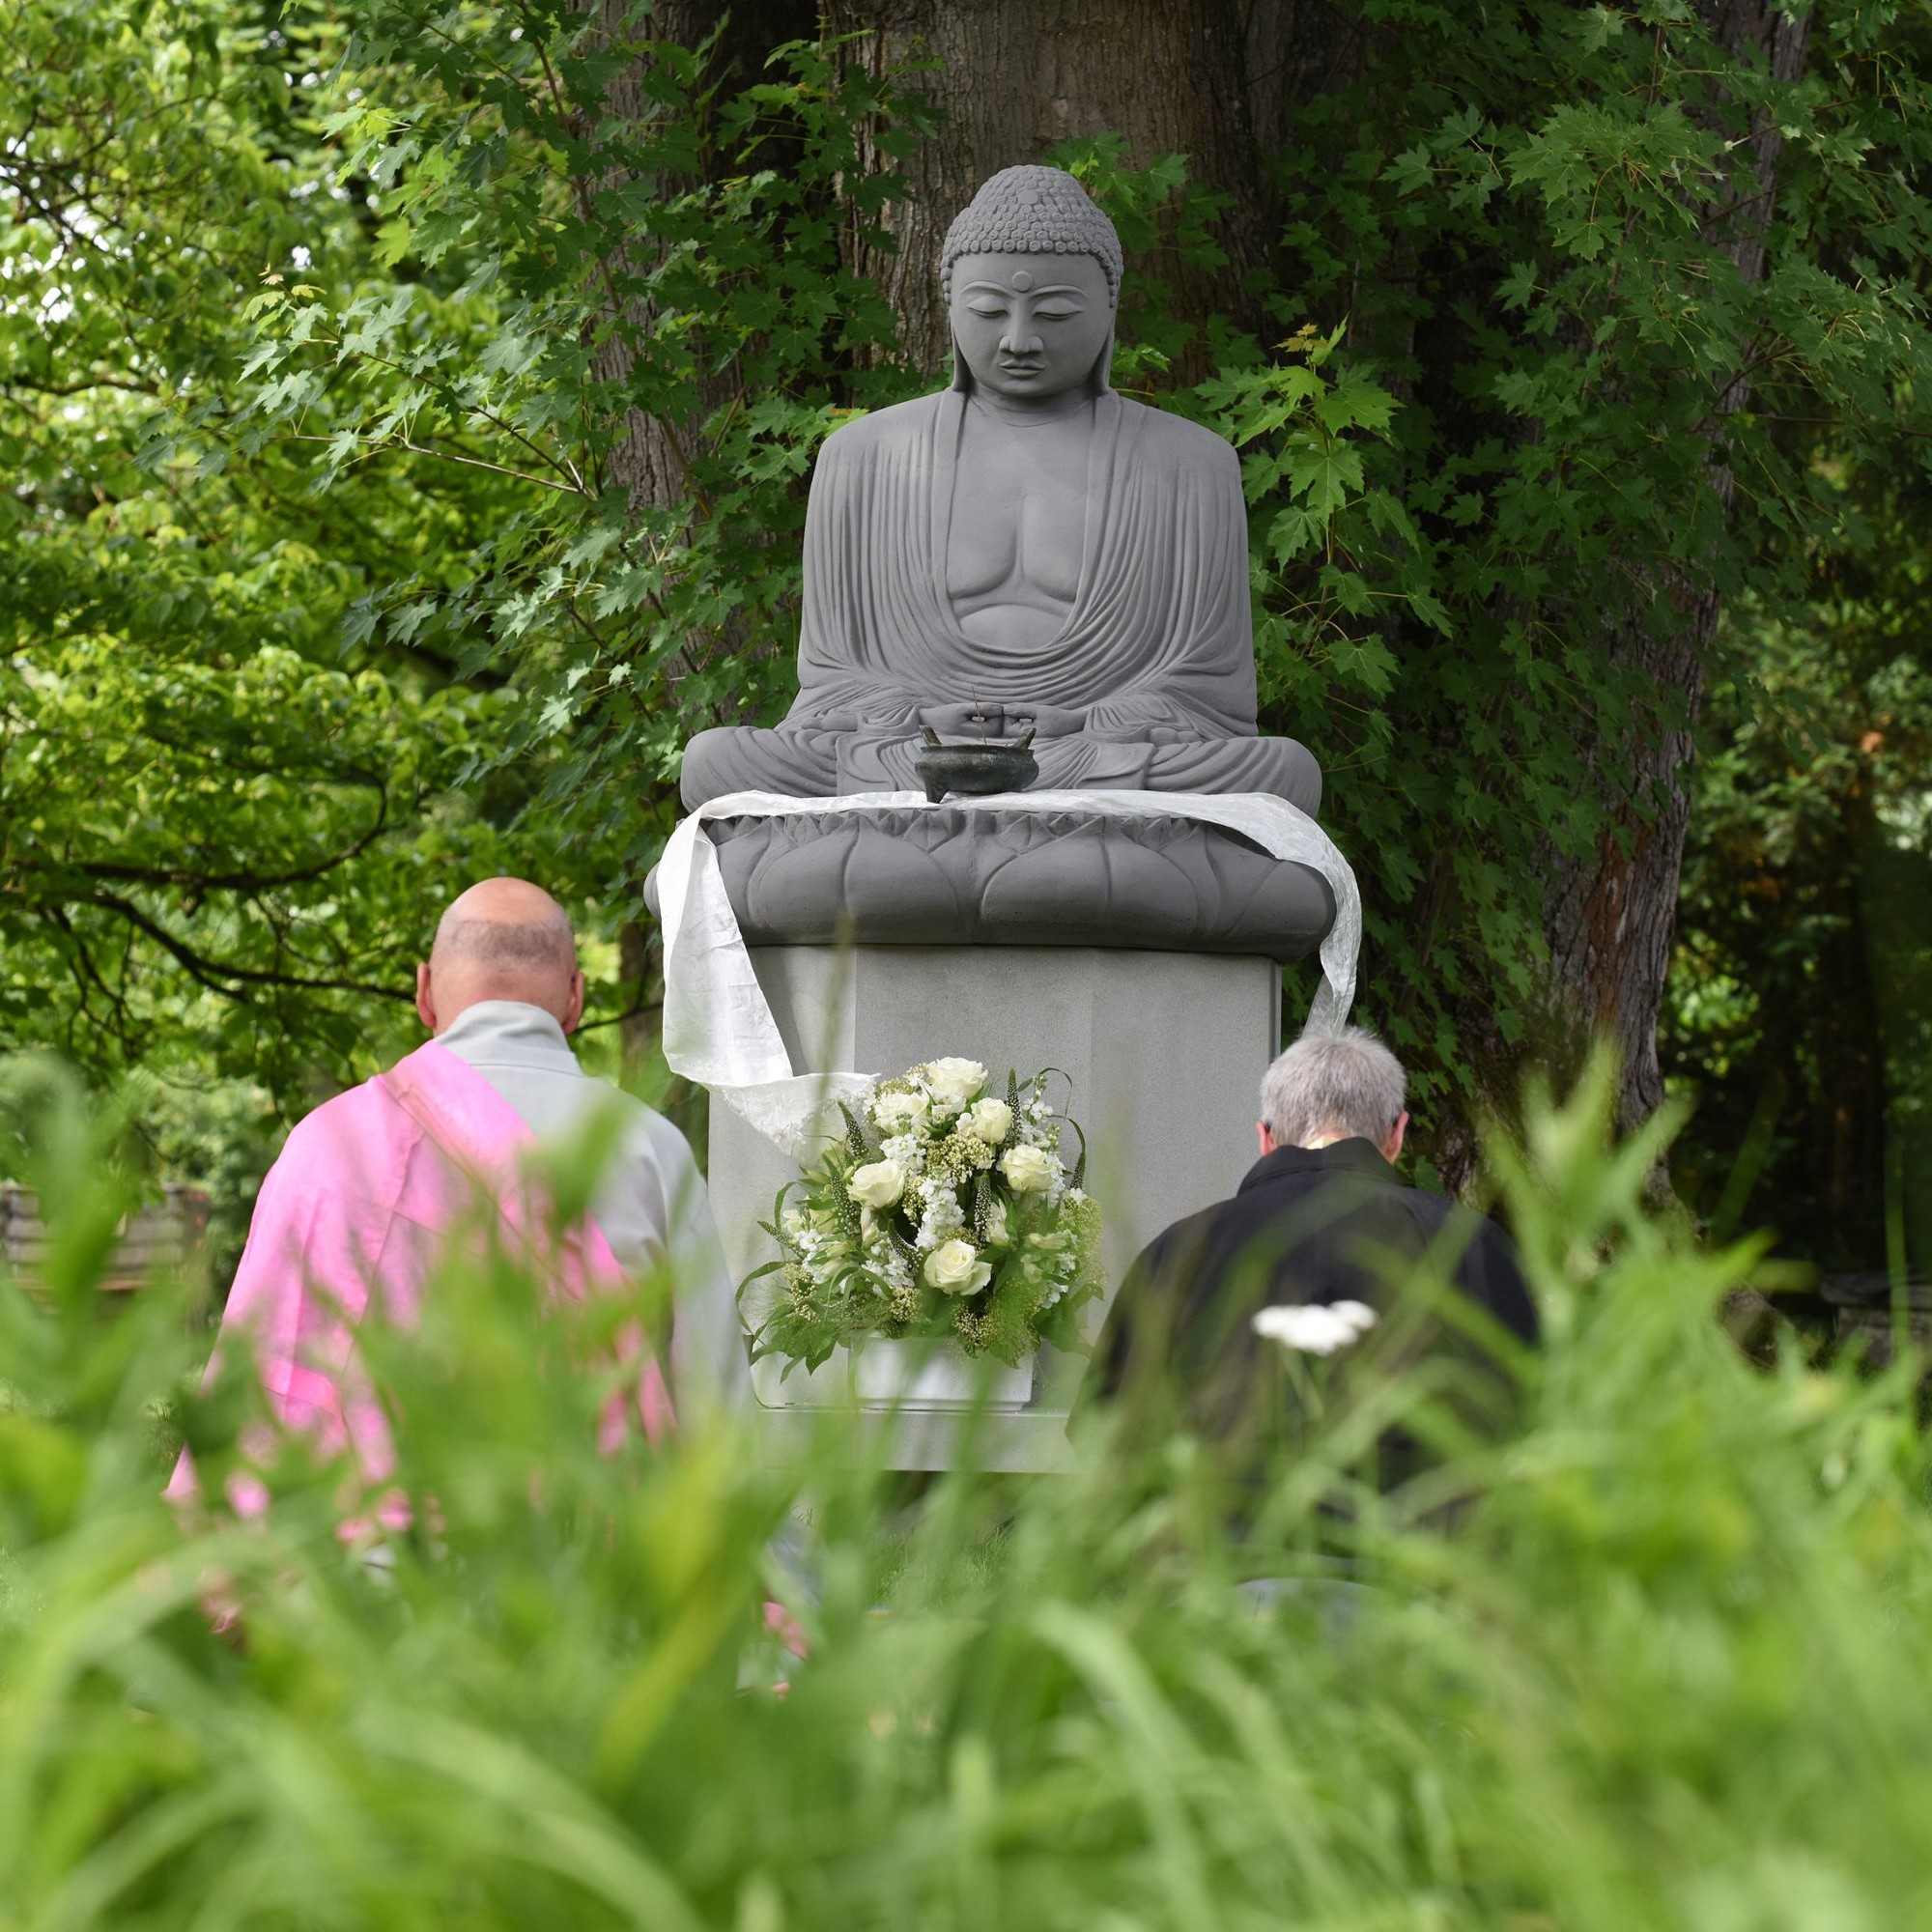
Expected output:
{"points": [[365, 1196]]}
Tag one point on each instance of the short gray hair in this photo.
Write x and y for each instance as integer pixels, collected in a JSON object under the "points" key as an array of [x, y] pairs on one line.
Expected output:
{"points": [[507, 946], [1345, 1081]]}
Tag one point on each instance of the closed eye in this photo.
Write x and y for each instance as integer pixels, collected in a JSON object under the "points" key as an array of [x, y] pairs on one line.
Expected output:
{"points": [[1055, 314], [987, 309]]}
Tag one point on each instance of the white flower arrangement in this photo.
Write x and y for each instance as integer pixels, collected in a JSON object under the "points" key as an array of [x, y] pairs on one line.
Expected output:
{"points": [[945, 1210]]}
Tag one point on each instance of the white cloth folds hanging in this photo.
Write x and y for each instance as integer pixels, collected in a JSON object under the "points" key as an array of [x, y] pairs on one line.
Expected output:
{"points": [[717, 1026]]}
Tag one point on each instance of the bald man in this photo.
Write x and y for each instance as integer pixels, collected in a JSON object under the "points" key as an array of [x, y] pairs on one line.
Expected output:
{"points": [[353, 1211], [501, 990]]}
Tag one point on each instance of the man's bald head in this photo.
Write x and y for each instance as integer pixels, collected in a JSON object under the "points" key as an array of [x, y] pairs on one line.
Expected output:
{"points": [[503, 939]]}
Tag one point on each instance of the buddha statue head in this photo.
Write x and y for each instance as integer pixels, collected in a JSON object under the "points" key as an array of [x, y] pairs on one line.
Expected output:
{"points": [[1031, 275]]}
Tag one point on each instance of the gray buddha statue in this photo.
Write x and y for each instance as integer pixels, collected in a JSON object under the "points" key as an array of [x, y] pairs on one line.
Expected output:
{"points": [[1025, 550]]}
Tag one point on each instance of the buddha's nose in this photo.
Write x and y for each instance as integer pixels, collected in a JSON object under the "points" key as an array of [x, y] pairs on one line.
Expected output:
{"points": [[1020, 339]]}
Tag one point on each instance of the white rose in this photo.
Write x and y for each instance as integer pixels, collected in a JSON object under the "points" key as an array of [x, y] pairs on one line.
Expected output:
{"points": [[876, 1185], [1030, 1170], [991, 1120], [955, 1268], [898, 1113], [953, 1082], [1314, 1329]]}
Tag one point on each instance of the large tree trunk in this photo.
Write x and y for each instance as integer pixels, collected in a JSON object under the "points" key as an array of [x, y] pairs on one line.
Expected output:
{"points": [[649, 460], [1020, 76], [1611, 917]]}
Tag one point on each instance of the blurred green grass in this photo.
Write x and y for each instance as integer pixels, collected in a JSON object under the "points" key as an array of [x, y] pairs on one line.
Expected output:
{"points": [[1666, 1665]]}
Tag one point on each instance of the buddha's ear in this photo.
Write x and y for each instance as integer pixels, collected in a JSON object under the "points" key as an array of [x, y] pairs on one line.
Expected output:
{"points": [[1100, 378], [962, 377]]}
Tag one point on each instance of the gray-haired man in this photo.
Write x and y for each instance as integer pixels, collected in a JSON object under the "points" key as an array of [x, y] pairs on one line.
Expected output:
{"points": [[1320, 1220]]}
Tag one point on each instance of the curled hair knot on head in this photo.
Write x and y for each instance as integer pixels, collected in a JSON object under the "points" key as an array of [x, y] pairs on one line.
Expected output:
{"points": [[1032, 211]]}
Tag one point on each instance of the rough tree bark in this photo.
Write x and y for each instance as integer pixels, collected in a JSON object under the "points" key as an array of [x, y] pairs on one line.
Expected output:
{"points": [[648, 460], [1612, 918], [1020, 76]]}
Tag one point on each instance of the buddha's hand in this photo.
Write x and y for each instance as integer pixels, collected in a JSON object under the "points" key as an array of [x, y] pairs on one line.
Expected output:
{"points": [[971, 721], [990, 719], [1048, 720], [1146, 721]]}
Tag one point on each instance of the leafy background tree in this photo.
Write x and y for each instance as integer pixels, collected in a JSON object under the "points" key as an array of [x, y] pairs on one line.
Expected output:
{"points": [[481, 353], [1800, 1007], [225, 820]]}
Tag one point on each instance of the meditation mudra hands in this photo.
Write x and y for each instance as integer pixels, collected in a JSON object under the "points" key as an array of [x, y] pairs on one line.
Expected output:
{"points": [[969, 723], [1026, 546], [995, 721]]}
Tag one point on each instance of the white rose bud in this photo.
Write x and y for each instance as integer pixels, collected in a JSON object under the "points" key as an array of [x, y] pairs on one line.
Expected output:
{"points": [[897, 1113], [1030, 1170], [876, 1185], [955, 1267], [999, 1233], [991, 1120], [953, 1082]]}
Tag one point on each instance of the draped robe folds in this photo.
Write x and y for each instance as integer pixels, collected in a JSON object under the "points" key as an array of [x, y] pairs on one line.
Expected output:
{"points": [[360, 1206], [1149, 684]]}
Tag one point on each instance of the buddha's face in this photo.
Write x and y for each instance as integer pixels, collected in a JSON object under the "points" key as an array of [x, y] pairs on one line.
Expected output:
{"points": [[1030, 326]]}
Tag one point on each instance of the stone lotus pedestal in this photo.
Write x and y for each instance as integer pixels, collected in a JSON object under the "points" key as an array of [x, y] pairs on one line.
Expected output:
{"points": [[1165, 1051], [1049, 878]]}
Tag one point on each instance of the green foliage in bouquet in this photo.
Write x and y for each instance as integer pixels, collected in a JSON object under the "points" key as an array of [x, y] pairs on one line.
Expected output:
{"points": [[944, 1211]]}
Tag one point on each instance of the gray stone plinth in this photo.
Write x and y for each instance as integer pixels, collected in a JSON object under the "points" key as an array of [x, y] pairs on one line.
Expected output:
{"points": [[1165, 1051]]}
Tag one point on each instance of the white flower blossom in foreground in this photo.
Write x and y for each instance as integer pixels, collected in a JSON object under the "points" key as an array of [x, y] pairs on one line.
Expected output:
{"points": [[1316, 1328]]}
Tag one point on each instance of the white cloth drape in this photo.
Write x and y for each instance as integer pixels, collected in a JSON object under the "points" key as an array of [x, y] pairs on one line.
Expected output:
{"points": [[717, 1026]]}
